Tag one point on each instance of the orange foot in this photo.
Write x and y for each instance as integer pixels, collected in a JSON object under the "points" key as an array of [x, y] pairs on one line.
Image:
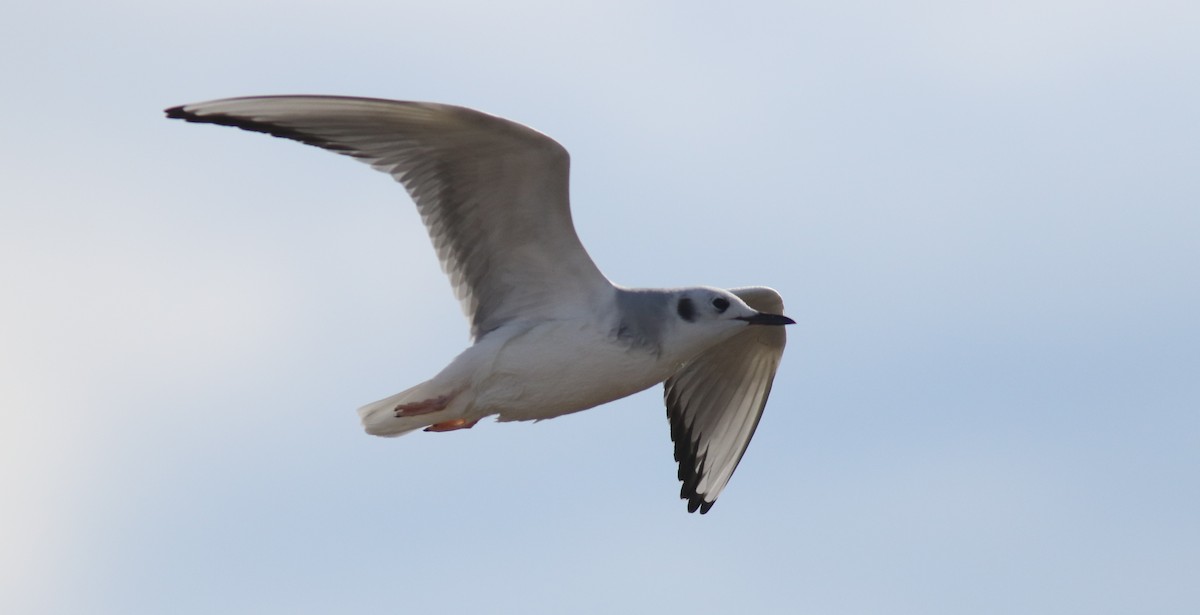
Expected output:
{"points": [[425, 406], [452, 425]]}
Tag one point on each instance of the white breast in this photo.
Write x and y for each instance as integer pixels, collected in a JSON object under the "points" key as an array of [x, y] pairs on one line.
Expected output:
{"points": [[560, 367]]}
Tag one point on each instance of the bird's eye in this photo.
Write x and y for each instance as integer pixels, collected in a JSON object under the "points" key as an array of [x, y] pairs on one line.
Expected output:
{"points": [[686, 310], [721, 303]]}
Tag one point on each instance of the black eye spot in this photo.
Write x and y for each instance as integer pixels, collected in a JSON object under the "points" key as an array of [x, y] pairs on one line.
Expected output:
{"points": [[686, 310], [721, 303]]}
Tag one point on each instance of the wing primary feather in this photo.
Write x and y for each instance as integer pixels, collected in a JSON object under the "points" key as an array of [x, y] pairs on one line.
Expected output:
{"points": [[715, 403]]}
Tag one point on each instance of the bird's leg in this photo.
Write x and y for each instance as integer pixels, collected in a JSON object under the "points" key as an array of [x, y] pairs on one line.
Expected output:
{"points": [[452, 425], [425, 406]]}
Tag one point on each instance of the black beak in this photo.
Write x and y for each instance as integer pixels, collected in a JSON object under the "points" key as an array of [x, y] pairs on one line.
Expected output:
{"points": [[767, 319]]}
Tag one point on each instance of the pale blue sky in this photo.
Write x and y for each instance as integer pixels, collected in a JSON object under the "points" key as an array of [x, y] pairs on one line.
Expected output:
{"points": [[984, 216]]}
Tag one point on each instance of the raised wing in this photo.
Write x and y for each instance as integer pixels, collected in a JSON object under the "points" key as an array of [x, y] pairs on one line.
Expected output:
{"points": [[715, 401], [492, 193]]}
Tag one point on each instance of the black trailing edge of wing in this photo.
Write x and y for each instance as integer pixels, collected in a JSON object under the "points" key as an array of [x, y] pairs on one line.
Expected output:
{"points": [[687, 453]]}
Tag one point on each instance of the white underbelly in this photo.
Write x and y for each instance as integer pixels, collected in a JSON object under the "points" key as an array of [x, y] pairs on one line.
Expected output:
{"points": [[561, 367]]}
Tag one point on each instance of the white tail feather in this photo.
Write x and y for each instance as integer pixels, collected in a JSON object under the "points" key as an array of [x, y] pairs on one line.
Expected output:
{"points": [[379, 418]]}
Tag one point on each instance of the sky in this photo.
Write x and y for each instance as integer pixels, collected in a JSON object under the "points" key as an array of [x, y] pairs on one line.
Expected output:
{"points": [[983, 216]]}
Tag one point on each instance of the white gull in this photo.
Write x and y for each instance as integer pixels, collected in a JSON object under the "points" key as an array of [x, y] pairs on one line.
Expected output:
{"points": [[551, 334]]}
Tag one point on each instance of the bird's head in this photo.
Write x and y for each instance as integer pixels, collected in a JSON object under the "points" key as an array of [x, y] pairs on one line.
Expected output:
{"points": [[703, 316]]}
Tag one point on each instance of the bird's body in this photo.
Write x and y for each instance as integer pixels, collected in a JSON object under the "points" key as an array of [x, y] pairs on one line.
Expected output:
{"points": [[534, 370], [551, 334], [529, 371]]}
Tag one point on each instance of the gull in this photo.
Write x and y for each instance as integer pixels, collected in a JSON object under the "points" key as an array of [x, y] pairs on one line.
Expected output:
{"points": [[551, 335]]}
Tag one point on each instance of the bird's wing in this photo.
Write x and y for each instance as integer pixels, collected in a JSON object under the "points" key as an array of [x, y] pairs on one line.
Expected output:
{"points": [[715, 401], [492, 193]]}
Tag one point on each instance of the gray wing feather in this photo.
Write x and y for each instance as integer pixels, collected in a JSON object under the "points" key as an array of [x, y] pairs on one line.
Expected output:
{"points": [[715, 401], [492, 193]]}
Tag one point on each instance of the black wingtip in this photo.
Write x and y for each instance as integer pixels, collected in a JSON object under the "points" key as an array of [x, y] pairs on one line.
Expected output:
{"points": [[247, 123], [697, 504]]}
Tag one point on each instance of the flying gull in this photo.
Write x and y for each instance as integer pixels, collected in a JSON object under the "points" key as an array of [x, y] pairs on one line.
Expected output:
{"points": [[551, 335]]}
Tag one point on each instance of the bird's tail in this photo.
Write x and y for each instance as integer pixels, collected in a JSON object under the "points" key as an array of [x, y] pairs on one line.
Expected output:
{"points": [[379, 418]]}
